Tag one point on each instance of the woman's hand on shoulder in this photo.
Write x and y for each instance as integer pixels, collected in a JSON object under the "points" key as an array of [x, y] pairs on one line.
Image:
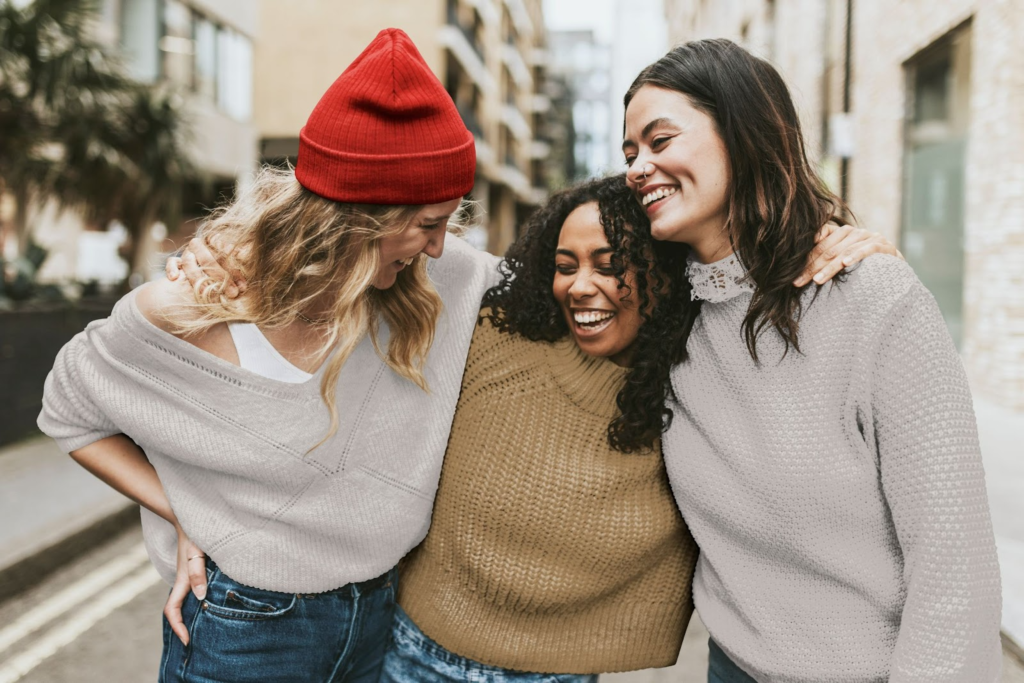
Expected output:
{"points": [[154, 298], [840, 246], [205, 267]]}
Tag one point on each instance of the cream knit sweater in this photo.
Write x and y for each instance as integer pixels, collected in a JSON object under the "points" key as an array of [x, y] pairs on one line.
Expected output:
{"points": [[230, 446], [837, 494], [549, 551]]}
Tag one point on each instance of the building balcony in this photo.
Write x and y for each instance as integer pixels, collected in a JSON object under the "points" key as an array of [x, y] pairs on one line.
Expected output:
{"points": [[511, 58], [453, 38], [516, 122], [520, 17]]}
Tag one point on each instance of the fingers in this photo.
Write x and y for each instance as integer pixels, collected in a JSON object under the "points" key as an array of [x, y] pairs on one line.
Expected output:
{"points": [[215, 266], [197, 572], [172, 268], [825, 252], [172, 610]]}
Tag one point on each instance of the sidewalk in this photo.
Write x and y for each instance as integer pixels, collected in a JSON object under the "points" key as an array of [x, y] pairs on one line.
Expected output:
{"points": [[51, 508], [1002, 446]]}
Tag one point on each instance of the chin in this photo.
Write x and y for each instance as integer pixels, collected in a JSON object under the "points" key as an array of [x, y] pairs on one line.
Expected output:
{"points": [[385, 282], [668, 229]]}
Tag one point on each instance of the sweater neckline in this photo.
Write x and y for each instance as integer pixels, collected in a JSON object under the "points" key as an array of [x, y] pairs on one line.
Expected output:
{"points": [[719, 281], [587, 381], [189, 354]]}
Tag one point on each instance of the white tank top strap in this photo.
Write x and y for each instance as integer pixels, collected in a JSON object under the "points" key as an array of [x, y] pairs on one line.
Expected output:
{"points": [[257, 354]]}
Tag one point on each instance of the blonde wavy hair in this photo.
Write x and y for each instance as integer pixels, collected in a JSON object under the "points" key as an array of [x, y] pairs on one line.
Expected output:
{"points": [[294, 247]]}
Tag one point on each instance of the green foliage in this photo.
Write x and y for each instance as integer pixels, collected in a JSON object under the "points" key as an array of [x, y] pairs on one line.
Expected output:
{"points": [[77, 129]]}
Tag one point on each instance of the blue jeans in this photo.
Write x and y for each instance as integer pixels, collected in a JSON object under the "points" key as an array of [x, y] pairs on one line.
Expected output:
{"points": [[721, 669], [412, 657], [240, 634]]}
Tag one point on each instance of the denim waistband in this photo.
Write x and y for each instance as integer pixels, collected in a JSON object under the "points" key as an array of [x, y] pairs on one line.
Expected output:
{"points": [[359, 587]]}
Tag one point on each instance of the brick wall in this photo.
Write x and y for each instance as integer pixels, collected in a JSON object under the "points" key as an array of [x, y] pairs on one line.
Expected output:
{"points": [[885, 35]]}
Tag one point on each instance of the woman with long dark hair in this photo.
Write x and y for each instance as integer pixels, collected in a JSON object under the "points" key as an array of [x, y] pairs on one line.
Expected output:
{"points": [[821, 442]]}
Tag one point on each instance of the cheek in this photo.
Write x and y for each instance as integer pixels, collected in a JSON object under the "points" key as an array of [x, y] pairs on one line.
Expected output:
{"points": [[560, 285]]}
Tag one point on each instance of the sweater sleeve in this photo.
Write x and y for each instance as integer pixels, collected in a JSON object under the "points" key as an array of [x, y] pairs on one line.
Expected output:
{"points": [[934, 483], [70, 415]]}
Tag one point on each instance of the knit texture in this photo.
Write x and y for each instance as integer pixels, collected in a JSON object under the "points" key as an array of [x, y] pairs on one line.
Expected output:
{"points": [[387, 132], [837, 494], [231, 446], [548, 550]]}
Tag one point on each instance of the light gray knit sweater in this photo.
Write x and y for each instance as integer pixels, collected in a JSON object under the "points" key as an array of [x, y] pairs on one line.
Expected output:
{"points": [[837, 494], [230, 446]]}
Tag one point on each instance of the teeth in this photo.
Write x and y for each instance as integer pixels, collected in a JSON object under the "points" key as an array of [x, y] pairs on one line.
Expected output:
{"points": [[660, 193], [408, 261], [584, 317]]}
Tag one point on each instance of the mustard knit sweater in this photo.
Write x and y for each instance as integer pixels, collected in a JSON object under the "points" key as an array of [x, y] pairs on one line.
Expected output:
{"points": [[549, 551]]}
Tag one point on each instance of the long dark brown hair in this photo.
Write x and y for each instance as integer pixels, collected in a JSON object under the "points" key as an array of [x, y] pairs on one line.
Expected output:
{"points": [[776, 201]]}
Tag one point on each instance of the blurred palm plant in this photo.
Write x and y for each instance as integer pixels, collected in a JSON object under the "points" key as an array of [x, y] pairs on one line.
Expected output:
{"points": [[77, 130]]}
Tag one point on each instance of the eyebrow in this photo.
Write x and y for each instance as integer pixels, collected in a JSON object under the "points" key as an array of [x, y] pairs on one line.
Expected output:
{"points": [[435, 219], [647, 130], [601, 251]]}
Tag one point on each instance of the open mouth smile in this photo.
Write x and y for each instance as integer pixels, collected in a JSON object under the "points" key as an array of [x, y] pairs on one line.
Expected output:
{"points": [[588, 323], [653, 200]]}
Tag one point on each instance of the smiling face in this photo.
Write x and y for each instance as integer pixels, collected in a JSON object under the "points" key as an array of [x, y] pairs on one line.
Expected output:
{"points": [[424, 235], [602, 322], [686, 189]]}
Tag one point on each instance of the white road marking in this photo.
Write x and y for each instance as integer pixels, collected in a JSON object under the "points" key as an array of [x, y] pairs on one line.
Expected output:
{"points": [[107, 601], [78, 592]]}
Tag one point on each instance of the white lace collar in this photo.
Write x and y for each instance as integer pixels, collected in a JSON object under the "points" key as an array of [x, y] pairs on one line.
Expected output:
{"points": [[718, 281]]}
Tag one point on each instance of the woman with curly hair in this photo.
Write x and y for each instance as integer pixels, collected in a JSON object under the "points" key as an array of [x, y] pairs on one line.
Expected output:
{"points": [[551, 550], [823, 450]]}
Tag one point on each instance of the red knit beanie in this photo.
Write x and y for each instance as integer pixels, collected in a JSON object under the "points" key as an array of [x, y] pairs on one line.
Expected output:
{"points": [[386, 132]]}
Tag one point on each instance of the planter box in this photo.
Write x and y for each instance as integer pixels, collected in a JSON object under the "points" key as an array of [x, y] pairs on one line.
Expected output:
{"points": [[30, 338]]}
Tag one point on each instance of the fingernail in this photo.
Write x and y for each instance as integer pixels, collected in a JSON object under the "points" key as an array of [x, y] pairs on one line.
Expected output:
{"points": [[200, 592], [184, 641], [847, 260], [819, 278], [231, 291]]}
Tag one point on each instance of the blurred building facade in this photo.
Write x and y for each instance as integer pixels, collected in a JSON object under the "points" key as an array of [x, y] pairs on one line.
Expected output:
{"points": [[583, 65], [913, 111], [204, 50], [489, 54]]}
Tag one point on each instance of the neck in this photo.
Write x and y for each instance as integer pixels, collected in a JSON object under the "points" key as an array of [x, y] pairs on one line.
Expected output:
{"points": [[712, 249]]}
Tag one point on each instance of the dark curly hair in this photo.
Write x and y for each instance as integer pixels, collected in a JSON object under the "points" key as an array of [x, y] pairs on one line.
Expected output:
{"points": [[523, 303]]}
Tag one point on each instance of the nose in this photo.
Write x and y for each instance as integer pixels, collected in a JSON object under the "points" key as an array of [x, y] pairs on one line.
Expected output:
{"points": [[435, 245], [582, 287], [635, 173]]}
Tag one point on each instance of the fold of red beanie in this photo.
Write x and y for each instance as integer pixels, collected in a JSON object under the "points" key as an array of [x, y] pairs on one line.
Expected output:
{"points": [[387, 132]]}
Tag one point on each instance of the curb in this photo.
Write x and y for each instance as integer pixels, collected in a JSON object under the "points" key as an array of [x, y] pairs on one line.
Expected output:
{"points": [[1011, 647], [29, 571]]}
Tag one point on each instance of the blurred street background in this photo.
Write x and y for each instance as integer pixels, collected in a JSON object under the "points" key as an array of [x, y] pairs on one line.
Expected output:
{"points": [[122, 122]]}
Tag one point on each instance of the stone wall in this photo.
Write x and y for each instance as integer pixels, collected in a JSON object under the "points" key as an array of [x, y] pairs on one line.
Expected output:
{"points": [[808, 49]]}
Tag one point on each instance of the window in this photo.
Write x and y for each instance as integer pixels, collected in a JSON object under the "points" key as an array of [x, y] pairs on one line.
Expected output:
{"points": [[234, 74], [176, 45], [205, 79]]}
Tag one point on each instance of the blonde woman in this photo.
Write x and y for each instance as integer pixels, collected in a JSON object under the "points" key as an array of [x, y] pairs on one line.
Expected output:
{"points": [[295, 434]]}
